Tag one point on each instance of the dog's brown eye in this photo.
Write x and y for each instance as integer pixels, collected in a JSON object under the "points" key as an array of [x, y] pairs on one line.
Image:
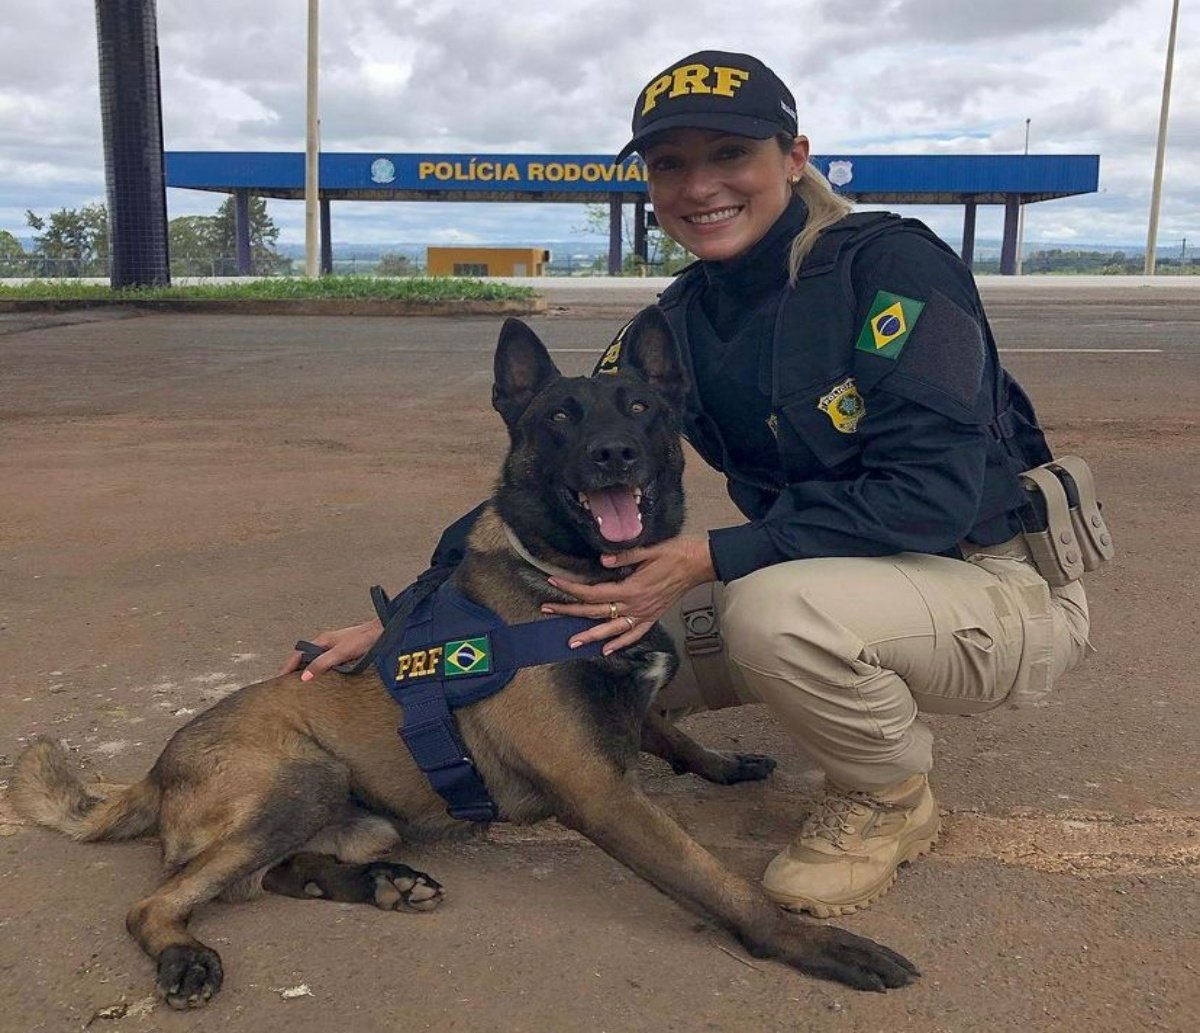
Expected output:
{"points": [[637, 407], [559, 416]]}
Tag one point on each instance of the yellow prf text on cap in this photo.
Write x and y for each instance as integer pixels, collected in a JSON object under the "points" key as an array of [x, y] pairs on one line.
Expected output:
{"points": [[721, 80]]}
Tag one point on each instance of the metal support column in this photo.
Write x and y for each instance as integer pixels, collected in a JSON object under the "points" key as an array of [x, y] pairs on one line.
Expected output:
{"points": [[326, 239], [241, 231], [639, 232], [1008, 248], [614, 235], [131, 116], [968, 234]]}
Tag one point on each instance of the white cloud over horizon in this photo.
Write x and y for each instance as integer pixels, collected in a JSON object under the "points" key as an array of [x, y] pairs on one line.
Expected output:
{"points": [[874, 77]]}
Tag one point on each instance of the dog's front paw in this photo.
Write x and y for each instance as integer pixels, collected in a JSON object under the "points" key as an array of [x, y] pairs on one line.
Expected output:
{"points": [[833, 953], [397, 886], [188, 976]]}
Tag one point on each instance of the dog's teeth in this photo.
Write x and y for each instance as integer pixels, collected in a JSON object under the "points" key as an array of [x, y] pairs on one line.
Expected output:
{"points": [[584, 502], [599, 520], [637, 496]]}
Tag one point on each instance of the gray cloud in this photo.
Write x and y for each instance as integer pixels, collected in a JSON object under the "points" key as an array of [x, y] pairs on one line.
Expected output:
{"points": [[886, 76]]}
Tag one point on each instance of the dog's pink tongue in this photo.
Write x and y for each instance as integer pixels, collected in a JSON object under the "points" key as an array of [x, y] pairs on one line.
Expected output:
{"points": [[616, 513]]}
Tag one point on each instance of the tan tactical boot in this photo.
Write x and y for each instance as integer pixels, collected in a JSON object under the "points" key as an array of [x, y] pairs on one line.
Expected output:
{"points": [[848, 850]]}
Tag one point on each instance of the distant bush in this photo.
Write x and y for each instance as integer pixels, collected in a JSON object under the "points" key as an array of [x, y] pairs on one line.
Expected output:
{"points": [[424, 288]]}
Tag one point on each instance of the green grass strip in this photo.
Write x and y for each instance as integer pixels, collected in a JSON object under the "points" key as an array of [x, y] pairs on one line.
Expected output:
{"points": [[416, 289]]}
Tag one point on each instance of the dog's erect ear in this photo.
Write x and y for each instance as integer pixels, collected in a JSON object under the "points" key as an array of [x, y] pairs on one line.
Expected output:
{"points": [[648, 347], [523, 368]]}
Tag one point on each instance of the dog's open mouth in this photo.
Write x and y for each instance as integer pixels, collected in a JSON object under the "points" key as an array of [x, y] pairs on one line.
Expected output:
{"points": [[616, 510]]}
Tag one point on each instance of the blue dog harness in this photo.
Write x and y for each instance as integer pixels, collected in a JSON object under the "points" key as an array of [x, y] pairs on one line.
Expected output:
{"points": [[452, 653]]}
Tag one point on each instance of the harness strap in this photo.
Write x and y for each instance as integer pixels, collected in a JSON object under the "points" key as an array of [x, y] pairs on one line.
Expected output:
{"points": [[430, 730], [431, 735]]}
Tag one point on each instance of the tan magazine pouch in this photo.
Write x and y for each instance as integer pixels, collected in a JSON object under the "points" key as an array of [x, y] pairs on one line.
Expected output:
{"points": [[1076, 538]]}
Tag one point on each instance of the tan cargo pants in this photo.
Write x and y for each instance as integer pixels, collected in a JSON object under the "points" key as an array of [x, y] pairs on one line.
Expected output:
{"points": [[846, 651]]}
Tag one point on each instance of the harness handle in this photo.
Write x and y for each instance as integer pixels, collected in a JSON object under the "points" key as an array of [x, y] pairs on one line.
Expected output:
{"points": [[393, 613]]}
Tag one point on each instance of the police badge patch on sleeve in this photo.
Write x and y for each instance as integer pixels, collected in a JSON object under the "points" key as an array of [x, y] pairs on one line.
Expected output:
{"points": [[844, 406], [890, 320]]}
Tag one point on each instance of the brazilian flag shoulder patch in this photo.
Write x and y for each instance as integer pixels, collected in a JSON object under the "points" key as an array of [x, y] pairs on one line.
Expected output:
{"points": [[889, 322]]}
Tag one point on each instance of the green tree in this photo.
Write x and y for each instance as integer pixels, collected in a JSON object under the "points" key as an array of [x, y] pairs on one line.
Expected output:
{"points": [[12, 256], [395, 265], [264, 234], [192, 245], [206, 245], [664, 257], [71, 241]]}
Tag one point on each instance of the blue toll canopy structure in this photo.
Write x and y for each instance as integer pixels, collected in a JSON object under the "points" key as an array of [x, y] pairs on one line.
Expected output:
{"points": [[893, 179]]}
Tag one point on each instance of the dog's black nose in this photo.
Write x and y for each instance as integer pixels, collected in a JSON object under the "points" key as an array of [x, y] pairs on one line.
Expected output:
{"points": [[613, 455]]}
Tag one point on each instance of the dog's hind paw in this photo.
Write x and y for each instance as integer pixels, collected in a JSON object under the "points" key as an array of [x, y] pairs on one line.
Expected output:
{"points": [[396, 887], [752, 767], [729, 769], [188, 976]]}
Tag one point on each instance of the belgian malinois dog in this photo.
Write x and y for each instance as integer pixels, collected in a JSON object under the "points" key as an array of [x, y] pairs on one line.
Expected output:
{"points": [[298, 787]]}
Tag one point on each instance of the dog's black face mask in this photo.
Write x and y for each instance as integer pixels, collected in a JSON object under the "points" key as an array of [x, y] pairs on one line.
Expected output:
{"points": [[595, 464]]}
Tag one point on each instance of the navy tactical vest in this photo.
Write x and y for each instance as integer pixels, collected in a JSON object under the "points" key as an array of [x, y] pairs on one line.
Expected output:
{"points": [[820, 311]]}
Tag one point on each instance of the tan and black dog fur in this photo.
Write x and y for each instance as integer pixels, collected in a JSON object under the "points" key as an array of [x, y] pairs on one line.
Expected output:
{"points": [[298, 787]]}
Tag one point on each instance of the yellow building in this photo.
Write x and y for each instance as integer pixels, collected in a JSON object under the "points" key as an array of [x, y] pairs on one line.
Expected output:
{"points": [[486, 261]]}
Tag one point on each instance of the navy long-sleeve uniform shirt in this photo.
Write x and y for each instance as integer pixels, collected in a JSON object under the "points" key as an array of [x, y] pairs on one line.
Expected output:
{"points": [[899, 465]]}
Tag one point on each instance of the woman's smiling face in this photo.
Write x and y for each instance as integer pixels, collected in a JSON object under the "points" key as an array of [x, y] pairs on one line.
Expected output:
{"points": [[718, 194]]}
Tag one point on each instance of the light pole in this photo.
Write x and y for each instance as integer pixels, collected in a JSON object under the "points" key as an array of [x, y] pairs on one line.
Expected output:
{"points": [[1156, 193], [312, 148], [1021, 211]]}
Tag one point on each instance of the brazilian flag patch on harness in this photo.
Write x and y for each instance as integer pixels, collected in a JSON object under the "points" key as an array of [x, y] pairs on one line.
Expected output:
{"points": [[889, 322], [468, 656]]}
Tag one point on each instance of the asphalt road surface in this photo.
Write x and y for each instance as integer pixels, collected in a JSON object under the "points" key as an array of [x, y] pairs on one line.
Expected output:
{"points": [[182, 497]]}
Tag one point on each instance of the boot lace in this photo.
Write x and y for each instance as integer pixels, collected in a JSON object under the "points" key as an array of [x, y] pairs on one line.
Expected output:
{"points": [[831, 820]]}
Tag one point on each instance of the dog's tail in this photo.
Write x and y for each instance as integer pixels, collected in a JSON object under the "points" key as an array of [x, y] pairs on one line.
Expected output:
{"points": [[47, 789]]}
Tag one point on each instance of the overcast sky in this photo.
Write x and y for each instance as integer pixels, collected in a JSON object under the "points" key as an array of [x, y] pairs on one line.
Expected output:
{"points": [[560, 76]]}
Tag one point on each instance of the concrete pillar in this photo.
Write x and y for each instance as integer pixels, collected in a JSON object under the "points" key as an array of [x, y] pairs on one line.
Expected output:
{"points": [[241, 231], [326, 239], [131, 116], [968, 234], [614, 235], [1008, 248]]}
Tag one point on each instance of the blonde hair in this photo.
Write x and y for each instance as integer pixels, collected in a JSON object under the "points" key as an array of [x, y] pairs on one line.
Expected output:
{"points": [[824, 209]]}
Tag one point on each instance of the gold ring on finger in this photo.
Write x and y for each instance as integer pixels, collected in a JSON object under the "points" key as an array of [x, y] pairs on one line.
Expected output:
{"points": [[613, 612]]}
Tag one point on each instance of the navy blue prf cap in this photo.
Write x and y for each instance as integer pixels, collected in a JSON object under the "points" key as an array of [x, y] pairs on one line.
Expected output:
{"points": [[713, 89]]}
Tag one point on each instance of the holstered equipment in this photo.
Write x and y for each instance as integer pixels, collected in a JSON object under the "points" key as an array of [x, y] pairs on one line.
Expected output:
{"points": [[1064, 529], [703, 644]]}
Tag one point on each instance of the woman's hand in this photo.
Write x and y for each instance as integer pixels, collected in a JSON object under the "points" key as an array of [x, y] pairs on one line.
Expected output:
{"points": [[345, 644], [663, 573]]}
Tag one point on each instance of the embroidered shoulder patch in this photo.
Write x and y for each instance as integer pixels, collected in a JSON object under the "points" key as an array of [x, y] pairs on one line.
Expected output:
{"points": [[844, 406], [889, 322]]}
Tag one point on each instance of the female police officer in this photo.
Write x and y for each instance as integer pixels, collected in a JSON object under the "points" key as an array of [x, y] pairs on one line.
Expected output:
{"points": [[846, 383], [844, 379]]}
